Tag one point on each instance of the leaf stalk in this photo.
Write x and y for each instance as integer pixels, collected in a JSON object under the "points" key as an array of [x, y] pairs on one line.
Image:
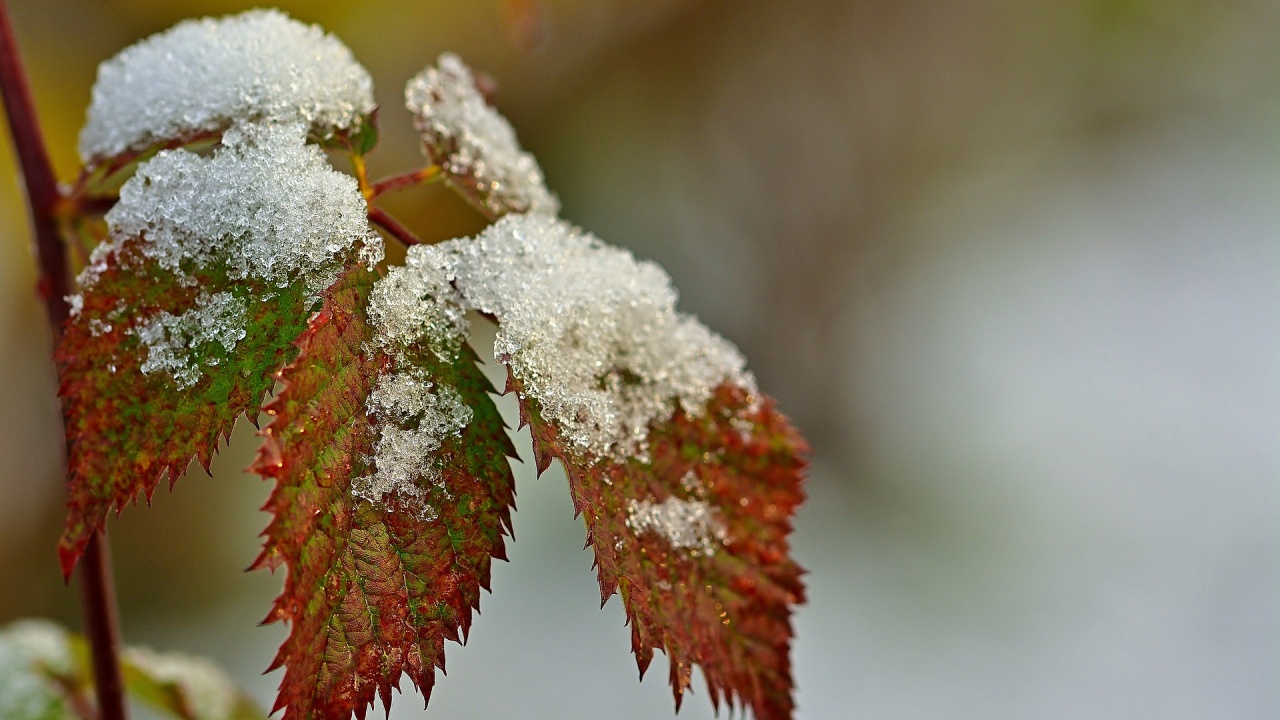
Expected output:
{"points": [[44, 201]]}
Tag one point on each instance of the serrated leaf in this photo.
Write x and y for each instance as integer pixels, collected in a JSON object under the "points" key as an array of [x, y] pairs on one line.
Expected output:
{"points": [[374, 588], [127, 429], [190, 305], [695, 540]]}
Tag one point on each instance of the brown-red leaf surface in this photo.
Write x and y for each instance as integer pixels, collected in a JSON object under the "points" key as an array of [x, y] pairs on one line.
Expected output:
{"points": [[127, 430], [373, 588], [724, 602]]}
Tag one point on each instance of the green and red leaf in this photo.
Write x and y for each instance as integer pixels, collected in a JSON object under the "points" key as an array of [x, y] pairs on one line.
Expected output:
{"points": [[127, 430], [725, 603], [373, 589]]}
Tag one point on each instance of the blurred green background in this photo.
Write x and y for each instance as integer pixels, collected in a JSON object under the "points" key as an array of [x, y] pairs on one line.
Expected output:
{"points": [[1011, 266]]}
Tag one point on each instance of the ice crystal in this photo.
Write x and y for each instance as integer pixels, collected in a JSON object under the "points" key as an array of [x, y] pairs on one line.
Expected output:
{"points": [[204, 75], [180, 344], [413, 418], [686, 524], [207, 692], [591, 332], [472, 142], [266, 205], [415, 303]]}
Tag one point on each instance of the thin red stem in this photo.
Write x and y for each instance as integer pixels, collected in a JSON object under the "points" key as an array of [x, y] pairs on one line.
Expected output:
{"points": [[101, 626], [379, 217], [428, 174], [43, 199]]}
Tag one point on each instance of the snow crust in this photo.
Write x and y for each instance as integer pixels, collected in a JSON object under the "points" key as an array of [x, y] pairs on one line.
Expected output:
{"points": [[592, 333], [686, 524], [204, 75], [470, 140]]}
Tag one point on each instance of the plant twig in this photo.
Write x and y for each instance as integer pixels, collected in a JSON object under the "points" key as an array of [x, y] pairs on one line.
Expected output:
{"points": [[428, 174], [379, 217], [98, 596]]}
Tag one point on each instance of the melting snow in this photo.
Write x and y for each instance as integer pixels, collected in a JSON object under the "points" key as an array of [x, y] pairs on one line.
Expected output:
{"points": [[204, 75], [687, 524]]}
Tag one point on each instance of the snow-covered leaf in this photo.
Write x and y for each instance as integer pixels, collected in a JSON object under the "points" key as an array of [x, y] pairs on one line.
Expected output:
{"points": [[687, 477], [39, 677], [393, 492], [185, 686], [202, 76], [184, 314], [45, 674], [473, 144]]}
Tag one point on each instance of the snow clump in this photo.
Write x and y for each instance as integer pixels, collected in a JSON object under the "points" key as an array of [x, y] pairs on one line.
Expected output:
{"points": [[591, 333], [415, 417], [474, 144], [266, 205], [686, 524], [202, 76], [179, 344]]}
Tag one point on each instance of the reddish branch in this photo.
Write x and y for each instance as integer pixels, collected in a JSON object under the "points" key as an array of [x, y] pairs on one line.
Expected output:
{"points": [[43, 198], [427, 174], [379, 217]]}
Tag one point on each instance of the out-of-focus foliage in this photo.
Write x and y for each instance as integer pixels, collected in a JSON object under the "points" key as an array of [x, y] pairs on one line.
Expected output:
{"points": [[45, 674]]}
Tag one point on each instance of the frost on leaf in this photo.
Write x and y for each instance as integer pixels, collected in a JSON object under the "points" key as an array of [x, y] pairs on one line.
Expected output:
{"points": [[688, 480], [393, 492], [201, 76], [186, 311], [473, 144]]}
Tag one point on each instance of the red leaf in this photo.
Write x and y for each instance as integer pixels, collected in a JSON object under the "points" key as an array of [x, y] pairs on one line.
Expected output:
{"points": [[695, 540], [373, 589], [126, 429]]}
